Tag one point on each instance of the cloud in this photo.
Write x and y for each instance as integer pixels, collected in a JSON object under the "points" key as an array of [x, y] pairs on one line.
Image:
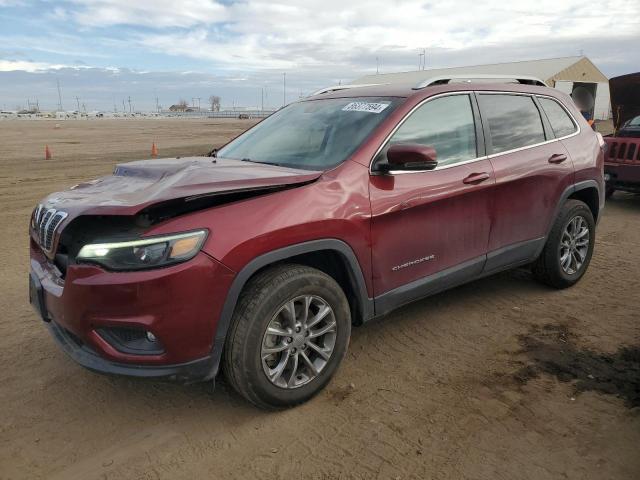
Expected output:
{"points": [[150, 13], [245, 45], [28, 66], [328, 30]]}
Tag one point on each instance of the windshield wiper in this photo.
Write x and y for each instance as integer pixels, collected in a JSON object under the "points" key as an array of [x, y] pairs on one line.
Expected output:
{"points": [[258, 161]]}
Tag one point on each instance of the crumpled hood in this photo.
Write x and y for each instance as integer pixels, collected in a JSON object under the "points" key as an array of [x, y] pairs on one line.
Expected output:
{"points": [[136, 185]]}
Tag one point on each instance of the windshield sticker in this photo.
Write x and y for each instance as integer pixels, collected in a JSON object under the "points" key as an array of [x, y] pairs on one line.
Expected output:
{"points": [[365, 107]]}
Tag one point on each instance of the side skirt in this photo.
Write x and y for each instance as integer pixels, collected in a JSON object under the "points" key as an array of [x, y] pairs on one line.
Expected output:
{"points": [[505, 258]]}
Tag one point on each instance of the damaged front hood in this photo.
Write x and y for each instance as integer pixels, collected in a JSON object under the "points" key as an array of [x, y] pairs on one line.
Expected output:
{"points": [[136, 185]]}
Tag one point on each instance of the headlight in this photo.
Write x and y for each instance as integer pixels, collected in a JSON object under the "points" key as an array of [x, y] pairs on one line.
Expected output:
{"points": [[144, 253]]}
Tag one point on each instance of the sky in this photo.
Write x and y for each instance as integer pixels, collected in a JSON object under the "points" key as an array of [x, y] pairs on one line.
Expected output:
{"points": [[106, 51]]}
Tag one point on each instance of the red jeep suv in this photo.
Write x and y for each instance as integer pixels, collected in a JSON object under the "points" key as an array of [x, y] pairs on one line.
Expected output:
{"points": [[336, 209]]}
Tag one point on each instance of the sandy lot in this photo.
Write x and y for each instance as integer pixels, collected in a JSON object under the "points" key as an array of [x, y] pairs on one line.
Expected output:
{"points": [[499, 379]]}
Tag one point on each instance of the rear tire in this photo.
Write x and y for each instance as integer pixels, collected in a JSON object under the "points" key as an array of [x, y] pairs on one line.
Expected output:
{"points": [[268, 355], [569, 247]]}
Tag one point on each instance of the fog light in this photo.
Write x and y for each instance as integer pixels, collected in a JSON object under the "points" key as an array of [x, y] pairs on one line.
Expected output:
{"points": [[151, 337]]}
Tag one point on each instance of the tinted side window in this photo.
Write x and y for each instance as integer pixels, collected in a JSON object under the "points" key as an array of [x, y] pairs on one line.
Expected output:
{"points": [[514, 121], [444, 123], [560, 120]]}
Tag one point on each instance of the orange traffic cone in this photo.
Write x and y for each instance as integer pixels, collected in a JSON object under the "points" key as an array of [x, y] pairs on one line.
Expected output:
{"points": [[47, 153], [154, 150]]}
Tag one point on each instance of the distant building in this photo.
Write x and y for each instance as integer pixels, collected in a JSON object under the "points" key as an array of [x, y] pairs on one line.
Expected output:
{"points": [[182, 108], [567, 74]]}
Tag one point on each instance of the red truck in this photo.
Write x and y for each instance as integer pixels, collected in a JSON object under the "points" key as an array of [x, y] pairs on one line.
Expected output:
{"points": [[334, 210], [622, 161]]}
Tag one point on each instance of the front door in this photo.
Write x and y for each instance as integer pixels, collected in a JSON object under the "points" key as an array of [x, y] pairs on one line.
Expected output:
{"points": [[430, 229]]}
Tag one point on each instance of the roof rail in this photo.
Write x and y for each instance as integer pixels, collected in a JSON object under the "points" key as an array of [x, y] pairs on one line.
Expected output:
{"points": [[335, 88], [444, 79]]}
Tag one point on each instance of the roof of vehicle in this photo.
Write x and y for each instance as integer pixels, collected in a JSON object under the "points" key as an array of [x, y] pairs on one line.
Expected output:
{"points": [[409, 90]]}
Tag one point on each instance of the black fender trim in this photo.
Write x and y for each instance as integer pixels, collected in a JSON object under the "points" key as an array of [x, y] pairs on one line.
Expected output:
{"points": [[355, 276], [570, 190]]}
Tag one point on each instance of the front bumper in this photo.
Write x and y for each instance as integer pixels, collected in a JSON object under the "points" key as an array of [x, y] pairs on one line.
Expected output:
{"points": [[180, 305], [196, 370], [623, 177]]}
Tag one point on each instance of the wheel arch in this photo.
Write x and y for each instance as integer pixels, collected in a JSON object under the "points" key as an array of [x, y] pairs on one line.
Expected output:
{"points": [[332, 256], [590, 195], [587, 191]]}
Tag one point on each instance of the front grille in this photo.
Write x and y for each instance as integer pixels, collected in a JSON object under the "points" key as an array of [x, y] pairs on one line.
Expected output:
{"points": [[623, 150], [45, 223]]}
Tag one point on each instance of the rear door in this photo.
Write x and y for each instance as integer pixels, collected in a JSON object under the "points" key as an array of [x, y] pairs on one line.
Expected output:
{"points": [[532, 169], [430, 228]]}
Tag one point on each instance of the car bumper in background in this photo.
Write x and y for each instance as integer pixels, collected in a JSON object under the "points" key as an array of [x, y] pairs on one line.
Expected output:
{"points": [[623, 177]]}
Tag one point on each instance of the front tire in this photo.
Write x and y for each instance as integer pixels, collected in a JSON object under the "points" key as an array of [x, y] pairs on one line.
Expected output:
{"points": [[289, 333], [569, 247]]}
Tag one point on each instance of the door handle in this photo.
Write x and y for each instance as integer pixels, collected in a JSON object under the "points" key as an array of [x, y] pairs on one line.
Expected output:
{"points": [[476, 178], [557, 158]]}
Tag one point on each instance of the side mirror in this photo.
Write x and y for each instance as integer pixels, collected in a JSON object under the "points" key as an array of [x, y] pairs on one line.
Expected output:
{"points": [[411, 156]]}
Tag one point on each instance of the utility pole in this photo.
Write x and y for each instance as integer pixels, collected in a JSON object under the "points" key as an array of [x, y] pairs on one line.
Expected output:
{"points": [[124, 109], [284, 89], [377, 66], [198, 98], [424, 58], [157, 105], [59, 96], [130, 111], [261, 99], [78, 103]]}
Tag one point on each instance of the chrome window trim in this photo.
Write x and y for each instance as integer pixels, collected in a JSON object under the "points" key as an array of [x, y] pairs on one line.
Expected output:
{"points": [[519, 149], [575, 122], [477, 159], [404, 119]]}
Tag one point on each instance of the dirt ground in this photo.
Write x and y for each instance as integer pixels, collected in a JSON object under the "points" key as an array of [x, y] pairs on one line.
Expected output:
{"points": [[499, 379]]}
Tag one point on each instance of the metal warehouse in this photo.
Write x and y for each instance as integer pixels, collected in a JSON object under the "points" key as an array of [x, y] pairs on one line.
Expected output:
{"points": [[572, 75]]}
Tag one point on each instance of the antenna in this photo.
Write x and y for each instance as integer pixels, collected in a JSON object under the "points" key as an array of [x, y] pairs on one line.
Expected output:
{"points": [[59, 96], [284, 89]]}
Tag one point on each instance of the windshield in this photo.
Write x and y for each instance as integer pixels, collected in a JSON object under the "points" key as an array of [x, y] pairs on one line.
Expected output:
{"points": [[634, 122], [313, 135]]}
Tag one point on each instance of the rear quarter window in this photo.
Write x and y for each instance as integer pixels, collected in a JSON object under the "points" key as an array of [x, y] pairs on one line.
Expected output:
{"points": [[514, 121], [560, 121]]}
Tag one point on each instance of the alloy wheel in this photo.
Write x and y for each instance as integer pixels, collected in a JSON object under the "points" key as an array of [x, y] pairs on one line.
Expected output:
{"points": [[574, 245], [298, 341]]}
